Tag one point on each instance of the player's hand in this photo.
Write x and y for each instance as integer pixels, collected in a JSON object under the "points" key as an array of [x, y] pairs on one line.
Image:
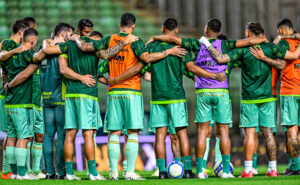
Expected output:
{"points": [[257, 53], [75, 36], [178, 51], [130, 39], [6, 88], [20, 49], [112, 81], [277, 39], [5, 78], [88, 80], [221, 77], [258, 40], [149, 41], [203, 40]]}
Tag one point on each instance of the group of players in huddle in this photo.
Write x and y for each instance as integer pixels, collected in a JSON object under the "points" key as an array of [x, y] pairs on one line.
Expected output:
{"points": [[54, 90]]}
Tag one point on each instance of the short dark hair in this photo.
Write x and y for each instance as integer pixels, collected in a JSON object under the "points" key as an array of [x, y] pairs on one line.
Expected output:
{"points": [[127, 20], [170, 24], [214, 24], [255, 27], [95, 33], [29, 32], [18, 25], [62, 27], [29, 20], [82, 23], [222, 37], [285, 22]]}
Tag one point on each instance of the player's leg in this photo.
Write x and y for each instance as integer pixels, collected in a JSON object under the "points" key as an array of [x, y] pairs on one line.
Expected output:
{"points": [[125, 134], [50, 130], [114, 153], [293, 145], [160, 150], [207, 146], [69, 150], [254, 167], [249, 148], [175, 146], [89, 149]]}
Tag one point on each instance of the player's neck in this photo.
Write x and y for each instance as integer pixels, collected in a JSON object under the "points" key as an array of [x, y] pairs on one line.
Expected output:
{"points": [[212, 36], [170, 33], [26, 45], [16, 38], [59, 39], [125, 30]]}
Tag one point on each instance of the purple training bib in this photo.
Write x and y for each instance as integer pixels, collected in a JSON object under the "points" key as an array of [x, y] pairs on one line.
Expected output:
{"points": [[208, 63]]}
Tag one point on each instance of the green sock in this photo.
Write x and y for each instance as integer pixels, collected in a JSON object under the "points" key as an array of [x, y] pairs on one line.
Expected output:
{"points": [[199, 163], [187, 162], [226, 163], [254, 165], [177, 159], [125, 165], [5, 165], [290, 162], [132, 148], [92, 167], [296, 163], [28, 168], [218, 155], [69, 168], [113, 152], [204, 163], [161, 164], [21, 154], [37, 152], [11, 159]]}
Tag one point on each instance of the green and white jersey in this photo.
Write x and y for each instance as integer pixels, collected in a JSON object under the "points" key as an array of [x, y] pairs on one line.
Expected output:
{"points": [[256, 74], [52, 82], [21, 95], [81, 63], [167, 75]]}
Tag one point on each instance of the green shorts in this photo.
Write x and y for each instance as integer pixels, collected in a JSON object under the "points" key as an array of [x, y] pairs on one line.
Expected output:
{"points": [[125, 110], [82, 113], [290, 110], [171, 129], [124, 130], [2, 114], [38, 120], [213, 106], [19, 122], [258, 115], [169, 115]]}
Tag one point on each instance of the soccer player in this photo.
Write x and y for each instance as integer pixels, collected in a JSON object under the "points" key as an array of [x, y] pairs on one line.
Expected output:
{"points": [[19, 104], [289, 90], [84, 27], [125, 105], [81, 104], [31, 22], [6, 46], [258, 108], [212, 96]]}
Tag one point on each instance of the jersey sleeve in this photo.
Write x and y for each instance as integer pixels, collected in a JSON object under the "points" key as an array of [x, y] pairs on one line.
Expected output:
{"points": [[103, 68], [8, 45], [64, 47], [284, 45], [191, 44], [278, 52], [145, 69], [101, 44], [236, 54], [187, 58], [139, 48], [187, 73], [229, 44], [28, 56]]}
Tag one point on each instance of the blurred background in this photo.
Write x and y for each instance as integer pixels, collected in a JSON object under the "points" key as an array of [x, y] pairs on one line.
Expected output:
{"points": [[191, 15]]}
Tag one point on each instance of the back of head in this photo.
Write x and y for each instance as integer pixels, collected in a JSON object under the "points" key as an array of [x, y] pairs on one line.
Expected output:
{"points": [[127, 20], [30, 21], [285, 23], [170, 24], [95, 34], [19, 25], [255, 28], [222, 37], [60, 27], [84, 23], [28, 34], [214, 25]]}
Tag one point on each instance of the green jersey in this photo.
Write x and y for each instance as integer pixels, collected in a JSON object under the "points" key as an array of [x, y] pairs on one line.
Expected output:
{"points": [[7, 45], [256, 74], [284, 45], [20, 95], [167, 74], [81, 63]]}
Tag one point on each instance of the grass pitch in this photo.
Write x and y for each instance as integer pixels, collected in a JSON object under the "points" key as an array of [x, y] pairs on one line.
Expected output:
{"points": [[260, 179]]}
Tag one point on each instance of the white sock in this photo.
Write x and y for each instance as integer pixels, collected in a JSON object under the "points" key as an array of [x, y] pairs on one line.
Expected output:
{"points": [[272, 166], [248, 166]]}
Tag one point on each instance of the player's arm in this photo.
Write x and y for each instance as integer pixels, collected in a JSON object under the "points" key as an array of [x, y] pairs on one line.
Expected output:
{"points": [[50, 49], [166, 38], [152, 57], [292, 55], [290, 36], [5, 55], [39, 56], [131, 72], [250, 41], [103, 80], [203, 73], [274, 63], [22, 76], [88, 80], [147, 76]]}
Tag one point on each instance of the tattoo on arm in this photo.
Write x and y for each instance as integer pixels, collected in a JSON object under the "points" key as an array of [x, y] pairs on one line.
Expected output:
{"points": [[277, 64], [221, 58], [291, 36], [110, 52], [86, 47]]}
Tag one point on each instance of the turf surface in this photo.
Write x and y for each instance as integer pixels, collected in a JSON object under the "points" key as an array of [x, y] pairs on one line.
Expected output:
{"points": [[257, 180]]}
